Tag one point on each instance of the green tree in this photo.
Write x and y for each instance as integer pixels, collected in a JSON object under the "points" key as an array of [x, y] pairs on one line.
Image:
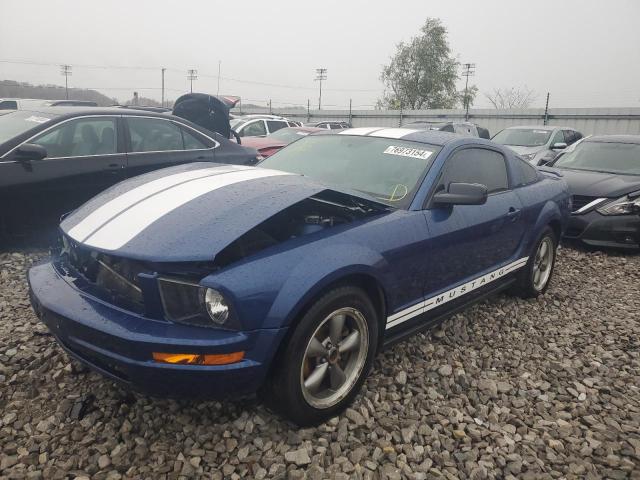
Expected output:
{"points": [[472, 93], [422, 74]]}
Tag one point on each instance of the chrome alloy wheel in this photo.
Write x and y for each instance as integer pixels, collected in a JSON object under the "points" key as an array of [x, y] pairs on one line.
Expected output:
{"points": [[334, 358], [542, 263]]}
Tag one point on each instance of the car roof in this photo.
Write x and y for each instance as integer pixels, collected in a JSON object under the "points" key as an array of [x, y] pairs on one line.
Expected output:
{"points": [[432, 137], [83, 111], [634, 139], [535, 127]]}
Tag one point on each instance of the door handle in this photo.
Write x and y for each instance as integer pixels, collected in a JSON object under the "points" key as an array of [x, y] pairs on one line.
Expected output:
{"points": [[513, 214]]}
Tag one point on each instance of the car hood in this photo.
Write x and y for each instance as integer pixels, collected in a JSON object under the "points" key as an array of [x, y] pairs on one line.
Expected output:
{"points": [[186, 213], [598, 184]]}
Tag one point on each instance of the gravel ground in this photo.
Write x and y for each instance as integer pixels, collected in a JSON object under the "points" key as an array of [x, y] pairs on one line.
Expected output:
{"points": [[547, 388]]}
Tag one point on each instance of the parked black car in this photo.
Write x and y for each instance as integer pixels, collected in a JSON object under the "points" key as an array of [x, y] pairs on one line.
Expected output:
{"points": [[603, 173], [53, 159]]}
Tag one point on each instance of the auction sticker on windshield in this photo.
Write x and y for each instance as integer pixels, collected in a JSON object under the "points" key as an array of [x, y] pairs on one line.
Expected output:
{"points": [[408, 152]]}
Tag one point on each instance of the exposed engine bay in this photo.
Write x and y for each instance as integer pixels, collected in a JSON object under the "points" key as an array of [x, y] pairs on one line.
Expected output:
{"points": [[322, 211]]}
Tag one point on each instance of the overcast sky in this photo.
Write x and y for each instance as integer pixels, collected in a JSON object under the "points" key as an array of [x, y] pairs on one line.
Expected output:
{"points": [[584, 52]]}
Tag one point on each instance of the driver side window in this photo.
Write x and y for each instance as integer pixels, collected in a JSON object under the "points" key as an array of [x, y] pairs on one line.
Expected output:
{"points": [[476, 165], [81, 137]]}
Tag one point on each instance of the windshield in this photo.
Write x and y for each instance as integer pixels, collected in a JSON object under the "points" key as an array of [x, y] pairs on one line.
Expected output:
{"points": [[387, 169], [235, 122], [523, 137], [288, 135], [620, 158], [15, 123]]}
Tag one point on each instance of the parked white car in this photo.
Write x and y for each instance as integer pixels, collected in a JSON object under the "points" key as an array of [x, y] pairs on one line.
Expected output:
{"points": [[537, 144], [260, 125]]}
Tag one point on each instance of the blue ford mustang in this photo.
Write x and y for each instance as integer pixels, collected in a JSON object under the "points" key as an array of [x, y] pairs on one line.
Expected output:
{"points": [[288, 278]]}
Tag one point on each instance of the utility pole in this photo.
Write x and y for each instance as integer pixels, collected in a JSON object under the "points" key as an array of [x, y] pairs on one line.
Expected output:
{"points": [[66, 71], [469, 70], [546, 110], [219, 66], [308, 110], [191, 76], [270, 107], [321, 74], [350, 100], [163, 70]]}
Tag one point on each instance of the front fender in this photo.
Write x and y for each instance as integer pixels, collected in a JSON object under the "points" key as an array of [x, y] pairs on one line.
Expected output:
{"points": [[268, 291], [310, 277]]}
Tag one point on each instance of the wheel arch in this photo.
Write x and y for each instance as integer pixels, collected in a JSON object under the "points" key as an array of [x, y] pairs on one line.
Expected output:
{"points": [[372, 287]]}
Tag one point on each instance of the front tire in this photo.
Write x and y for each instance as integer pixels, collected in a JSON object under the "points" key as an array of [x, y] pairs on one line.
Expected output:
{"points": [[326, 359], [534, 278]]}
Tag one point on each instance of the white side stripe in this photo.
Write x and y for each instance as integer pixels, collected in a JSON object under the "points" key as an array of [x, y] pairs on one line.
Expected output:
{"points": [[441, 299], [393, 132], [112, 208], [131, 222]]}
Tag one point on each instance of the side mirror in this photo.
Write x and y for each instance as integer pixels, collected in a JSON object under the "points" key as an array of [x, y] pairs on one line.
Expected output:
{"points": [[462, 194], [559, 146], [30, 151]]}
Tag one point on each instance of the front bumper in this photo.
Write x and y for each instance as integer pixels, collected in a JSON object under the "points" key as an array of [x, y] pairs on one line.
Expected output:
{"points": [[608, 231], [119, 344]]}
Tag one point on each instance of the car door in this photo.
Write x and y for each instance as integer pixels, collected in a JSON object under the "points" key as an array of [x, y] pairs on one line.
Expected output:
{"points": [[470, 240], [84, 156], [155, 142]]}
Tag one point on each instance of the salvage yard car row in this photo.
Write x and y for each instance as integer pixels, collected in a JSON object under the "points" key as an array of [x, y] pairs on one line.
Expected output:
{"points": [[286, 278]]}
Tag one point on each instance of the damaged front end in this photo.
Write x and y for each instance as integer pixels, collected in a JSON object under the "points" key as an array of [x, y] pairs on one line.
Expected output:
{"points": [[171, 291]]}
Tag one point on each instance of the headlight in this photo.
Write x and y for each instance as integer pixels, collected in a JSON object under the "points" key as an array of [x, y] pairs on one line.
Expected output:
{"points": [[621, 206], [189, 303], [528, 156], [217, 308]]}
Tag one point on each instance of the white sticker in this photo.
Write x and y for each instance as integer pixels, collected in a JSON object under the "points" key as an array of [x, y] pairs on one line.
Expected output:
{"points": [[35, 119], [408, 152], [302, 133], [541, 131]]}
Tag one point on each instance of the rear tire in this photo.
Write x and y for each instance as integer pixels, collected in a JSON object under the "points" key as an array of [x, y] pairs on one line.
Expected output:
{"points": [[534, 278], [326, 359]]}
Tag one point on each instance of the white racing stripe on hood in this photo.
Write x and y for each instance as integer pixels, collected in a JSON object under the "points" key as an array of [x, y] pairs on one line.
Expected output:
{"points": [[115, 207], [393, 132], [358, 131], [131, 222]]}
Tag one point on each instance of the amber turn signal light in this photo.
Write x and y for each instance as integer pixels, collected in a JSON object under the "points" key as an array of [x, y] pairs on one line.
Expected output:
{"points": [[198, 359]]}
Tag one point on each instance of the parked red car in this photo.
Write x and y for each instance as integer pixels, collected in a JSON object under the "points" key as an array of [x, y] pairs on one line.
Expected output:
{"points": [[267, 146]]}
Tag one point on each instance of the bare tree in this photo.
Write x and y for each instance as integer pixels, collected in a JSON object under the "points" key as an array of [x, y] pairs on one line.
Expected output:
{"points": [[513, 97]]}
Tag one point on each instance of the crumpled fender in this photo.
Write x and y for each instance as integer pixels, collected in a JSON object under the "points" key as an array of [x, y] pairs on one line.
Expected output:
{"points": [[309, 278]]}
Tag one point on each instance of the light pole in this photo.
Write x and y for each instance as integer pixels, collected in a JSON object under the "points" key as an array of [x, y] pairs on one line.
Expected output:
{"points": [[66, 71], [191, 76], [321, 74], [469, 70], [219, 66], [163, 70]]}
